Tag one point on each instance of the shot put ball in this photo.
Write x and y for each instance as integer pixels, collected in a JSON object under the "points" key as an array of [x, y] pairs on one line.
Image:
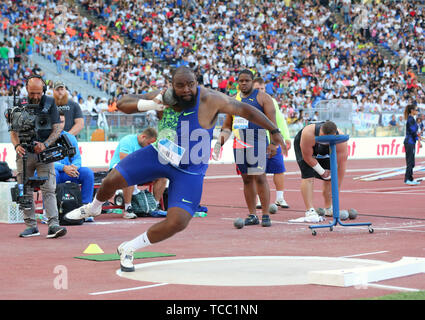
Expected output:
{"points": [[273, 208], [239, 223]]}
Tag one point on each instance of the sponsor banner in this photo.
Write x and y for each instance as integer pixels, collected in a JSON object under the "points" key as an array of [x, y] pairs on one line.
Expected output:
{"points": [[358, 148], [99, 154]]}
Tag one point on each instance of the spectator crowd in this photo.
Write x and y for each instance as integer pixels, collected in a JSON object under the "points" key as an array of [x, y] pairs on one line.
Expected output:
{"points": [[306, 51]]}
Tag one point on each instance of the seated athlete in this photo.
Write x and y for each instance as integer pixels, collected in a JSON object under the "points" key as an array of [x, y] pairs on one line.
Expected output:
{"points": [[72, 170], [127, 145]]}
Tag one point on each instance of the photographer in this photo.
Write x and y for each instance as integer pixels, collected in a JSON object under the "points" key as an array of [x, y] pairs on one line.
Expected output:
{"points": [[45, 137]]}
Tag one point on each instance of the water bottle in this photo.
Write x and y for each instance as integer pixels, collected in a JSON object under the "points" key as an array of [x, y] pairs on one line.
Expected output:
{"points": [[200, 214], [21, 189]]}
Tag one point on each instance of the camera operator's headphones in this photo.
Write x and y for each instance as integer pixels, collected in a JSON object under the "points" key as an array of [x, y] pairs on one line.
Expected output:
{"points": [[38, 77]]}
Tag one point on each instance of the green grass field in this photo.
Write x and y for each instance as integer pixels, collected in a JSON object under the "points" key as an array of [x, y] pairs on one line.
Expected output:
{"points": [[420, 295]]}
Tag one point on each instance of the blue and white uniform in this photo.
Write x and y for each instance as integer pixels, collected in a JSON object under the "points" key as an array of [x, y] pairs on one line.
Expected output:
{"points": [[250, 143], [181, 154]]}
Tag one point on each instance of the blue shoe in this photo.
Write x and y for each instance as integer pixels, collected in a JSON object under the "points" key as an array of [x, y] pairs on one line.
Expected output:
{"points": [[412, 183], [89, 219], [265, 220], [158, 213], [251, 220], [29, 232]]}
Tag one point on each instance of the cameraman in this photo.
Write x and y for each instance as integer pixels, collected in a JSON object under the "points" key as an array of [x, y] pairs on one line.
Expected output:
{"points": [[35, 87]]}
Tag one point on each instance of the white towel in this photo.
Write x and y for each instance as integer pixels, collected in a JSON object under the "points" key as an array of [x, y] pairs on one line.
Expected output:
{"points": [[308, 219]]}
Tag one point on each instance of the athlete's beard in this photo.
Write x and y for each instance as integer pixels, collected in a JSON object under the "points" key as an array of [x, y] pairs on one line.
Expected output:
{"points": [[184, 103]]}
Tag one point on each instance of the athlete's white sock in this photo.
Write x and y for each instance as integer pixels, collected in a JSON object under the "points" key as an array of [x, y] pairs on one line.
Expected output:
{"points": [[138, 242], [279, 195], [126, 206], [96, 204]]}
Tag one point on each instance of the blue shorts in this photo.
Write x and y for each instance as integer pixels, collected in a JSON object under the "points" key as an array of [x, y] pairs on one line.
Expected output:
{"points": [[143, 166], [251, 159], [276, 164]]}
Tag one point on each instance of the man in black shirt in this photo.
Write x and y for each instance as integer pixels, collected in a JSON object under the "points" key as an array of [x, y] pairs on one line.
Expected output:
{"points": [[74, 121]]}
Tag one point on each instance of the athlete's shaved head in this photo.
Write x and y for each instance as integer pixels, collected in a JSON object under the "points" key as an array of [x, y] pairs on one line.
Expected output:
{"points": [[182, 70], [185, 87]]}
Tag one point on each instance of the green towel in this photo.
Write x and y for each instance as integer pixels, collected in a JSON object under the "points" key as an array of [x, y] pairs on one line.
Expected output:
{"points": [[115, 256]]}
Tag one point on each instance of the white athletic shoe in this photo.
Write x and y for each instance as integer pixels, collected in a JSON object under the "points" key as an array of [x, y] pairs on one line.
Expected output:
{"points": [[126, 258], [129, 215], [312, 216], [83, 212], [329, 212], [281, 203]]}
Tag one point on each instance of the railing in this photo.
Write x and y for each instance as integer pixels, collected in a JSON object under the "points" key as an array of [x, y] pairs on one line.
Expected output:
{"points": [[119, 124]]}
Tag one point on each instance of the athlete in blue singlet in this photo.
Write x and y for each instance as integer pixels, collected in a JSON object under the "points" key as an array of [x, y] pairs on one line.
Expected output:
{"points": [[249, 148], [276, 165], [181, 154]]}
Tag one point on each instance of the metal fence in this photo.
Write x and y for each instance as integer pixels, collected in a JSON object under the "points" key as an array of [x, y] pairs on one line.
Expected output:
{"points": [[116, 125]]}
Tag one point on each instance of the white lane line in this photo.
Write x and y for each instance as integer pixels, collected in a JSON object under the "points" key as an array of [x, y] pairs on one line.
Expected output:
{"points": [[213, 177], [127, 289], [400, 229], [381, 286], [382, 193], [409, 226], [387, 189], [363, 254]]}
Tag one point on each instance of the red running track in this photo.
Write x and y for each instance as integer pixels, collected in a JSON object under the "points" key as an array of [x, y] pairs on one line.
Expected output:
{"points": [[31, 266]]}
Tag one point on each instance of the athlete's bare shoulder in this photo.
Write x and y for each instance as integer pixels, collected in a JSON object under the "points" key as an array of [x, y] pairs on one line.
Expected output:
{"points": [[308, 134], [309, 128]]}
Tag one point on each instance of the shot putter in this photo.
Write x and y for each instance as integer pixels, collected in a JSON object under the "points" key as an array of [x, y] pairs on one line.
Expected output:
{"points": [[333, 140]]}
